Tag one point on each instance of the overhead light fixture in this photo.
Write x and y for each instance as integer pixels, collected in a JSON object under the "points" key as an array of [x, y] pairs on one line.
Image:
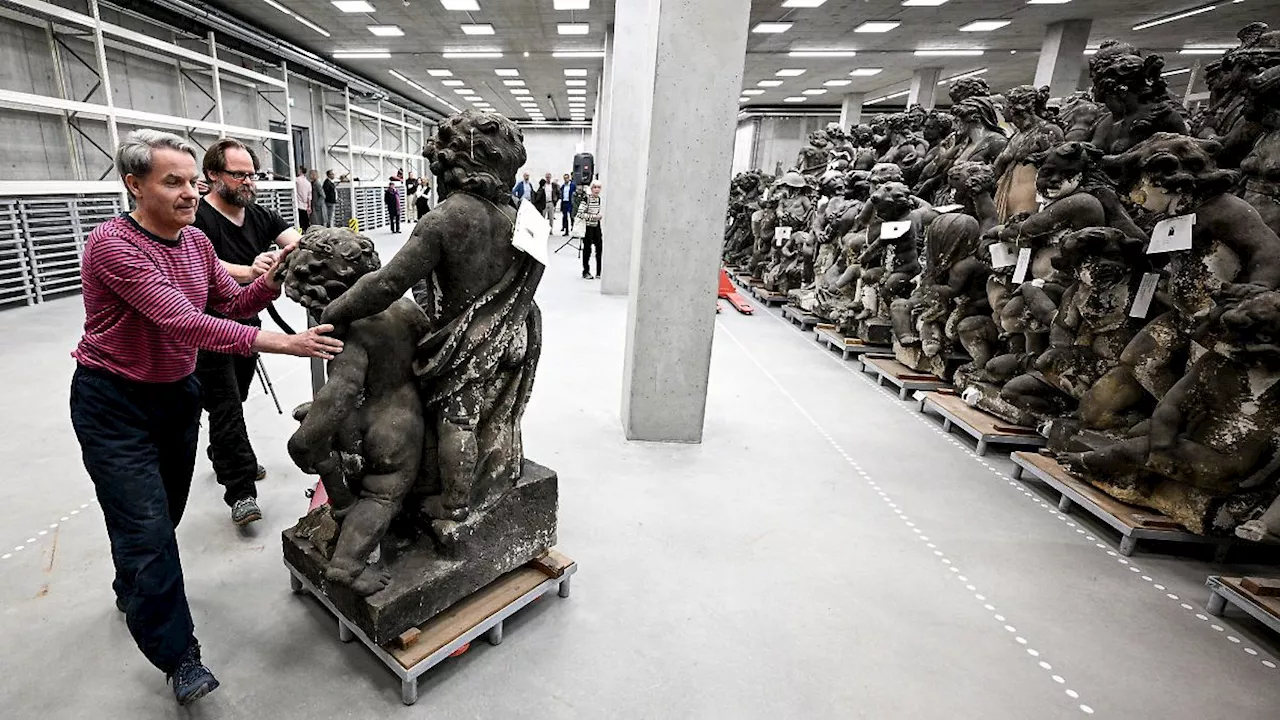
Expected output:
{"points": [[814, 91], [513, 83], [1179, 71], [882, 98], [961, 76], [353, 6], [440, 73], [519, 91], [470, 5], [575, 83], [765, 28], [575, 72], [803, 3], [949, 53], [752, 92], [471, 54], [837, 83], [744, 99], [572, 4], [984, 25], [297, 17], [453, 83], [386, 30], [795, 99], [790, 72], [507, 72], [865, 72], [1204, 50], [573, 28], [823, 53], [401, 77], [578, 54], [1176, 16], [362, 55], [769, 83], [576, 91], [923, 3], [477, 29], [877, 26], [1048, 2]]}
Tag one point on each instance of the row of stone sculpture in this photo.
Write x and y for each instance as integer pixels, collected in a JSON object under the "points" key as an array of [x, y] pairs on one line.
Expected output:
{"points": [[1106, 271]]}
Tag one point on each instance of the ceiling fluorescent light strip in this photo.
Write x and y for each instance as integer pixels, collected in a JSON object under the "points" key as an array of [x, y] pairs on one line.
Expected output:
{"points": [[949, 53], [961, 76], [471, 54], [297, 17], [401, 77], [578, 54], [823, 53], [1176, 16]]}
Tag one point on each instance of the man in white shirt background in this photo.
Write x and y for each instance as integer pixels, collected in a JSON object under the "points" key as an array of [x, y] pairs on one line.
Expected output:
{"points": [[302, 198]]}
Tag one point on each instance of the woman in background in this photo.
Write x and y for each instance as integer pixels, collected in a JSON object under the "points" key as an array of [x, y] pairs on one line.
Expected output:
{"points": [[590, 209]]}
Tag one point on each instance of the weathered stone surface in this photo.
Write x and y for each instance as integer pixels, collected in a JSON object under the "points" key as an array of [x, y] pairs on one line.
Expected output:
{"points": [[426, 578]]}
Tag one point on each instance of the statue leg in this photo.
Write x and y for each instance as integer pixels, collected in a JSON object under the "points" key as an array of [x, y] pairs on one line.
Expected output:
{"points": [[900, 314], [1122, 457], [977, 334], [1104, 405], [458, 451], [363, 528], [1029, 393], [1265, 527]]}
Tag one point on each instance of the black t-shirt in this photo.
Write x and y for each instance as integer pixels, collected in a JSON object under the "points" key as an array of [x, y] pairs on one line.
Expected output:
{"points": [[240, 245]]}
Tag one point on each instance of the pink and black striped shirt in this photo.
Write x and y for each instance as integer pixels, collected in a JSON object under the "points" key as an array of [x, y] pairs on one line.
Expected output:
{"points": [[144, 301]]}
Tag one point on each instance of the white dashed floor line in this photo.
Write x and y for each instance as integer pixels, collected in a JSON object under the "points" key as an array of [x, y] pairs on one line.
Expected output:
{"points": [[31, 541]]}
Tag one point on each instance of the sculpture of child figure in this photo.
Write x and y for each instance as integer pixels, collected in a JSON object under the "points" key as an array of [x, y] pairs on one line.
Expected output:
{"points": [[364, 432]]}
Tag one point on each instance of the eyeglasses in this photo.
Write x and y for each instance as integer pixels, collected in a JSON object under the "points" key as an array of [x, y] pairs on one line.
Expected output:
{"points": [[240, 175]]}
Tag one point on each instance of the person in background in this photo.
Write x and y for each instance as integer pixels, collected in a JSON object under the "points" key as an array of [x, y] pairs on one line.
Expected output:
{"points": [[551, 196], [411, 184], [539, 199], [567, 190], [391, 196], [330, 198], [523, 190], [317, 198], [591, 211], [244, 236], [422, 205], [135, 400], [302, 198], [399, 174]]}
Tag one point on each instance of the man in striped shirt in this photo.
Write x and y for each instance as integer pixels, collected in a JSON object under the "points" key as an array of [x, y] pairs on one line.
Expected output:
{"points": [[135, 404]]}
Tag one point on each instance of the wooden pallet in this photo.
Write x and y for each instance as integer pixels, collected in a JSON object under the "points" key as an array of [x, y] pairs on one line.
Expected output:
{"points": [[1258, 597], [1134, 523], [900, 376], [828, 336], [799, 317], [450, 633], [768, 297], [977, 424]]}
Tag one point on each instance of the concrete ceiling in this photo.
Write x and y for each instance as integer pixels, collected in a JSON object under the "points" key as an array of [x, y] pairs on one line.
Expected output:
{"points": [[526, 33], [1010, 55]]}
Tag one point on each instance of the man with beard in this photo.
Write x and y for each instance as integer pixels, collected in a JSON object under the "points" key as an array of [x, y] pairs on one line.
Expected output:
{"points": [[243, 236]]}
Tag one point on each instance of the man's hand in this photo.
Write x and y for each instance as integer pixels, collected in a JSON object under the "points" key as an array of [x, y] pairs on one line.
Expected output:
{"points": [[263, 263], [273, 270], [312, 343]]}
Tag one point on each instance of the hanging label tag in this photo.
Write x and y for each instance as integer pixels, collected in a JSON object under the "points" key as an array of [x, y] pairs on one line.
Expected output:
{"points": [[1001, 255], [1172, 234], [1146, 292], [947, 208], [781, 234], [1040, 202], [531, 232], [896, 229], [1024, 264]]}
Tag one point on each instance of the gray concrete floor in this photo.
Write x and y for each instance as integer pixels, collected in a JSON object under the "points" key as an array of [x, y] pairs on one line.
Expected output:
{"points": [[826, 552]]}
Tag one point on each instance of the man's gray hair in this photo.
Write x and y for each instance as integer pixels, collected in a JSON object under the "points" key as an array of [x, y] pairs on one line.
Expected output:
{"points": [[133, 157]]}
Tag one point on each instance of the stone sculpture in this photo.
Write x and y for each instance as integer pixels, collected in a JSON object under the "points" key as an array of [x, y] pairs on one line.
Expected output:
{"points": [[1129, 84], [891, 259], [1261, 167], [1078, 116], [1230, 82], [1016, 184], [816, 155], [977, 138], [458, 375]]}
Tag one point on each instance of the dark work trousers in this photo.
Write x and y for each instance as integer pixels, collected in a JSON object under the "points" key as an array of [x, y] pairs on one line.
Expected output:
{"points": [[393, 214], [138, 441], [304, 219], [593, 239], [224, 382], [566, 223]]}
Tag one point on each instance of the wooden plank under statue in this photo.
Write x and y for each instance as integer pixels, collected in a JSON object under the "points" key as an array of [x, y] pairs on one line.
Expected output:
{"points": [[416, 435]]}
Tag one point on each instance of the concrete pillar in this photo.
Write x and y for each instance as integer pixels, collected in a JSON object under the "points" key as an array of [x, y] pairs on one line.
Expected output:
{"points": [[600, 129], [851, 109], [1062, 56], [924, 86], [622, 163], [671, 307]]}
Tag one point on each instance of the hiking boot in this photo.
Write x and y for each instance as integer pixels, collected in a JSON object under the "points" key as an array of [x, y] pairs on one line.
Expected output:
{"points": [[261, 474], [191, 680], [245, 511]]}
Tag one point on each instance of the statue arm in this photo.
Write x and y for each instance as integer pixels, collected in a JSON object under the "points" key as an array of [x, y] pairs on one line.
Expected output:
{"points": [[1236, 223], [1167, 418], [375, 292], [1080, 210]]}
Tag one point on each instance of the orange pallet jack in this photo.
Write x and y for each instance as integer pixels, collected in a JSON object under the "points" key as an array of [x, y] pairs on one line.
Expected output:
{"points": [[728, 292]]}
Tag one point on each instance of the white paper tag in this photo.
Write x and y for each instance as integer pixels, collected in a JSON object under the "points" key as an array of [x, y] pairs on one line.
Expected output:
{"points": [[896, 229], [531, 232], [1172, 234], [1001, 255], [1024, 264], [947, 208], [781, 234], [1040, 202], [1146, 292]]}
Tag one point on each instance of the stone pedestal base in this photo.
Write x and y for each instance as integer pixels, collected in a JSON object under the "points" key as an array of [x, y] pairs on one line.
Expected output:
{"points": [[914, 358], [428, 578], [875, 332]]}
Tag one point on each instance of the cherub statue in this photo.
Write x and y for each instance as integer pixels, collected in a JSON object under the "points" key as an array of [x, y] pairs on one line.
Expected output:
{"points": [[906, 149], [814, 157], [1129, 83], [1078, 116], [972, 184], [1227, 118], [1016, 183], [891, 260], [1261, 167], [364, 433], [977, 138]]}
